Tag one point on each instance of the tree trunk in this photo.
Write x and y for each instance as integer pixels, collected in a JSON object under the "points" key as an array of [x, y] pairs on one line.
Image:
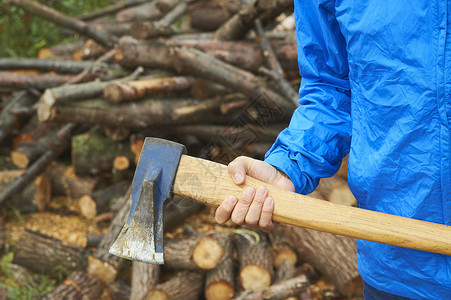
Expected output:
{"points": [[333, 255], [23, 99], [35, 197], [93, 153], [65, 182], [256, 262], [335, 189], [94, 203], [183, 286], [102, 264], [144, 278], [42, 253], [78, 285], [134, 90], [219, 283]]}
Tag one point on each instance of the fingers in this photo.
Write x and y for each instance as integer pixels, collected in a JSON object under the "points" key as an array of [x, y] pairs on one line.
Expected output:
{"points": [[266, 223], [224, 211], [238, 168], [254, 209]]}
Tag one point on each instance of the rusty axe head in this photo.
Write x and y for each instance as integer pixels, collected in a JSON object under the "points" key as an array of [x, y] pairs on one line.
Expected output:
{"points": [[141, 238]]}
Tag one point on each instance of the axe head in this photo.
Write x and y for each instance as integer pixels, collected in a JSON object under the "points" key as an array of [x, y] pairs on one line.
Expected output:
{"points": [[141, 238]]}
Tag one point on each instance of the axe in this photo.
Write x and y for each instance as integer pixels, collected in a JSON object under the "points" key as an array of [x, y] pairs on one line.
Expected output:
{"points": [[164, 169]]}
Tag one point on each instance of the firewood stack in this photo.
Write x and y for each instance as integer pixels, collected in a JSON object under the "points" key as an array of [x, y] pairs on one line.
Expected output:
{"points": [[217, 76]]}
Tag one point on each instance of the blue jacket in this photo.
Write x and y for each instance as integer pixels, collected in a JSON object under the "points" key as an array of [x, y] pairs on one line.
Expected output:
{"points": [[376, 82]]}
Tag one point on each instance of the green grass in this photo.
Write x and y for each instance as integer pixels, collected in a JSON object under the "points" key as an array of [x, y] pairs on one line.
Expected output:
{"points": [[23, 35]]}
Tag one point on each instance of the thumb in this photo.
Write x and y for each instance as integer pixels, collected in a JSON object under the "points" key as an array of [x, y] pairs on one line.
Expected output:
{"points": [[239, 167]]}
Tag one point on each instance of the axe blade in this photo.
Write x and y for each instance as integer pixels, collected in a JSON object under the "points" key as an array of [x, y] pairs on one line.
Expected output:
{"points": [[141, 238]]}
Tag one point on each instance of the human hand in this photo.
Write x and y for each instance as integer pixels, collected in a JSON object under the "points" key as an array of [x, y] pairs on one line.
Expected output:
{"points": [[253, 208]]}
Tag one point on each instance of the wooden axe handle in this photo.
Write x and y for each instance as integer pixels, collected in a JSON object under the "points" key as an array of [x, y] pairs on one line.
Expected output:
{"points": [[209, 183]]}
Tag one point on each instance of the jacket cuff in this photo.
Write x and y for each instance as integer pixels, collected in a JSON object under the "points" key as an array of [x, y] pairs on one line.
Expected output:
{"points": [[280, 160]]}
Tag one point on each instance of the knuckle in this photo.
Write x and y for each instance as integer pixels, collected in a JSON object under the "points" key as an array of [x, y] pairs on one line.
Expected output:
{"points": [[237, 220]]}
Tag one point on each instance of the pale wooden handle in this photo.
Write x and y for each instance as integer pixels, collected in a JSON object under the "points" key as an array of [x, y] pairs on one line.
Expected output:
{"points": [[209, 183]]}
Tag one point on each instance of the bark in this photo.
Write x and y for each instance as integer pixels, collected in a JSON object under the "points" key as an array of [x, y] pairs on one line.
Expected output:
{"points": [[101, 264], [121, 91], [93, 153], [119, 290], [335, 189], [72, 92], [183, 286], [283, 290], [237, 26], [35, 197], [65, 182], [32, 81], [64, 51], [78, 285], [208, 16], [2, 234], [177, 210], [112, 9], [284, 271], [32, 132], [202, 89], [42, 253], [166, 5], [334, 256], [39, 165], [47, 65], [144, 12], [93, 240], [94, 203], [150, 30], [92, 50], [278, 74], [197, 63], [144, 277], [256, 261], [7, 119], [133, 115], [246, 55], [28, 152], [283, 247], [56, 17], [219, 283]]}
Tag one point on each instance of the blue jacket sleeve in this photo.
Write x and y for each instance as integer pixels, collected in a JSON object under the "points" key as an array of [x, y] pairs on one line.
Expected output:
{"points": [[319, 133]]}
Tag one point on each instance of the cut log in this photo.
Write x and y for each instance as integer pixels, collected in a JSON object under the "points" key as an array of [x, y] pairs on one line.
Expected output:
{"points": [[283, 247], [93, 240], [33, 198], [219, 283], [283, 290], [39, 165], [166, 5], [42, 253], [256, 261], [194, 253], [149, 112], [119, 290], [93, 153], [208, 16], [197, 63], [237, 26], [134, 90], [27, 153], [66, 183], [101, 264], [94, 203], [44, 65], [33, 131], [35, 81], [103, 37], [334, 256], [112, 9], [78, 285], [177, 210], [144, 278], [92, 50], [335, 189], [145, 12], [202, 89], [183, 286], [23, 99], [246, 55], [64, 51]]}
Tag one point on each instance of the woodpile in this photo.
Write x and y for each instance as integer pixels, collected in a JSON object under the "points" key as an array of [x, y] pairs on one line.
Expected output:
{"points": [[217, 76]]}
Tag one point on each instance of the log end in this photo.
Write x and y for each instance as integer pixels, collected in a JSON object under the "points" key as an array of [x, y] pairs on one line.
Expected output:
{"points": [[156, 295], [88, 207], [101, 270], [113, 92], [285, 255], [255, 278], [121, 163], [219, 290], [208, 253], [20, 159]]}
